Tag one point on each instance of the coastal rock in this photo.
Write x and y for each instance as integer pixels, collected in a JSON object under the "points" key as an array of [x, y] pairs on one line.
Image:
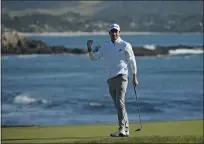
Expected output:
{"points": [[162, 50], [12, 43]]}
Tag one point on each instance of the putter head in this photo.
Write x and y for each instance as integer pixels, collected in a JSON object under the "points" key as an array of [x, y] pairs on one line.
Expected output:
{"points": [[138, 129]]}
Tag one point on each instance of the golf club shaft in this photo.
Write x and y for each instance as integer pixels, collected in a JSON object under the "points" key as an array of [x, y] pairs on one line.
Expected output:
{"points": [[138, 108]]}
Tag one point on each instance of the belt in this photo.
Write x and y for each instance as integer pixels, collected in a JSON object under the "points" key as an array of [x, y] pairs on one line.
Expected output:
{"points": [[116, 76]]}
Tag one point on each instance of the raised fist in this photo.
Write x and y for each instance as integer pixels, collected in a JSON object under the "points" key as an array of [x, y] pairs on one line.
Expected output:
{"points": [[89, 44]]}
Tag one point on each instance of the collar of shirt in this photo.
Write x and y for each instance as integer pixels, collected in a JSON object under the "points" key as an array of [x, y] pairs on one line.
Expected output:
{"points": [[117, 41]]}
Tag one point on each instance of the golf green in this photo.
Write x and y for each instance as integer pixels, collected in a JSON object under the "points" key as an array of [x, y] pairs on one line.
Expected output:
{"points": [[186, 131]]}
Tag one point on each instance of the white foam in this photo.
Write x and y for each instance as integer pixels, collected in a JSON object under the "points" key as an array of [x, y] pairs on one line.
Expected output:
{"points": [[24, 99], [185, 51], [94, 104], [27, 56], [149, 47]]}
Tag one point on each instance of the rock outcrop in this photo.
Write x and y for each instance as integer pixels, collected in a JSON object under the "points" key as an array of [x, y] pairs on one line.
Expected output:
{"points": [[12, 43]]}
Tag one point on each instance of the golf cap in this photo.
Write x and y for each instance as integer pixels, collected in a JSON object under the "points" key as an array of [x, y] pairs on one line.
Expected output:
{"points": [[114, 26]]}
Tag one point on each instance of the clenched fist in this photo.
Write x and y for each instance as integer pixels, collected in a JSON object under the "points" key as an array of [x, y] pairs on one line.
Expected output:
{"points": [[89, 44], [135, 81]]}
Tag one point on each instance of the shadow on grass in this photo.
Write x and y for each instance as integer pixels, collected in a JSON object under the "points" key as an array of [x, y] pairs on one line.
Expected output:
{"points": [[145, 139], [57, 138], [110, 140]]}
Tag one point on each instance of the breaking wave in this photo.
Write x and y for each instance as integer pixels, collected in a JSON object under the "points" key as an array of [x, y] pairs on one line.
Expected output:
{"points": [[28, 56], [23, 99], [149, 47], [185, 51], [94, 104]]}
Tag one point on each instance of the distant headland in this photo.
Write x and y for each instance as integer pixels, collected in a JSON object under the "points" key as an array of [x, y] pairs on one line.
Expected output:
{"points": [[14, 43]]}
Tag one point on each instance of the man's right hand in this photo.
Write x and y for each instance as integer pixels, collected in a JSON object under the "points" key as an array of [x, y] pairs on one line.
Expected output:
{"points": [[89, 44]]}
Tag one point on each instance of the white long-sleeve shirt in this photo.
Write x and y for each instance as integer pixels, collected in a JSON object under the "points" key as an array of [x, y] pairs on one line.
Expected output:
{"points": [[116, 57]]}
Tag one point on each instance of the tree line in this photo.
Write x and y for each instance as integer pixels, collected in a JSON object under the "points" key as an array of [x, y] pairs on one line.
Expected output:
{"points": [[73, 22]]}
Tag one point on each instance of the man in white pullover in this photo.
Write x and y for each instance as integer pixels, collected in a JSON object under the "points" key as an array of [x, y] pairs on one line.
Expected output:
{"points": [[117, 54]]}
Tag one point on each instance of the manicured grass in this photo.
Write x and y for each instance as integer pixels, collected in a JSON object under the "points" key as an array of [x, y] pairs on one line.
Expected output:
{"points": [[189, 131]]}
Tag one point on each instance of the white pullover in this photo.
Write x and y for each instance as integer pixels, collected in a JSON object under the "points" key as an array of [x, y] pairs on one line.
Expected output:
{"points": [[116, 57]]}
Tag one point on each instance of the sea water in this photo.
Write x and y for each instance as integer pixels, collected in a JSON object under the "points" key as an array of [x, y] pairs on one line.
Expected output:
{"points": [[65, 89]]}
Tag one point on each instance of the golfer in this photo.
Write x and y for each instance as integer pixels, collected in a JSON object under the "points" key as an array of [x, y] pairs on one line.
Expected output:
{"points": [[117, 54]]}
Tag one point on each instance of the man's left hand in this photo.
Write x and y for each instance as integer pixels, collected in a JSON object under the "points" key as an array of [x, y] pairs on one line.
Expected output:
{"points": [[135, 82]]}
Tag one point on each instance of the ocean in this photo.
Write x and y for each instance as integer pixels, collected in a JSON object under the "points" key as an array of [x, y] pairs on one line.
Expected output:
{"points": [[67, 89]]}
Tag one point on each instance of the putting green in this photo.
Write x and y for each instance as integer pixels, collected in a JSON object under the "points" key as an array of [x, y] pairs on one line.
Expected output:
{"points": [[187, 131]]}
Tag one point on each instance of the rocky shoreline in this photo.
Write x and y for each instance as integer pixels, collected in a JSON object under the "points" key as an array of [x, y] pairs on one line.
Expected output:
{"points": [[15, 44]]}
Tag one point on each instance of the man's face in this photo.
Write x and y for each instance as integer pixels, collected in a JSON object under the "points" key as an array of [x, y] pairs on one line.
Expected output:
{"points": [[114, 34]]}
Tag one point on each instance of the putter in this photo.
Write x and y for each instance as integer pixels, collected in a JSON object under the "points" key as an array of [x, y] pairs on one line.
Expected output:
{"points": [[138, 108]]}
